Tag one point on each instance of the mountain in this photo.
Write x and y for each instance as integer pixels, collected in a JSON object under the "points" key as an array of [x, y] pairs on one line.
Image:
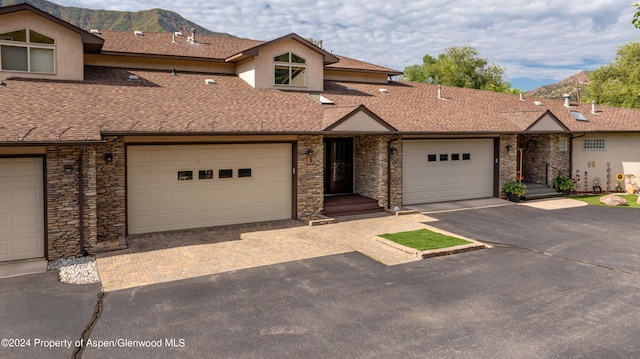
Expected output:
{"points": [[154, 20], [566, 86]]}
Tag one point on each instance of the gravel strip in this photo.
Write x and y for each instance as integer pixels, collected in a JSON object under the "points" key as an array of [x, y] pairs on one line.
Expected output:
{"points": [[80, 270]]}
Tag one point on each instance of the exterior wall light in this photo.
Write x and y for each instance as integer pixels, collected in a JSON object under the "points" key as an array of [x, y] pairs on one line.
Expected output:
{"points": [[68, 169], [309, 153], [108, 158]]}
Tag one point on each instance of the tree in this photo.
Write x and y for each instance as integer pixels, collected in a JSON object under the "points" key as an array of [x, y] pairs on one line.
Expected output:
{"points": [[636, 17], [460, 67], [314, 41], [618, 83]]}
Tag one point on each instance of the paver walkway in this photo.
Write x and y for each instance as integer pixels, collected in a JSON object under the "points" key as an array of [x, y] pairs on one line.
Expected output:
{"points": [[168, 256]]}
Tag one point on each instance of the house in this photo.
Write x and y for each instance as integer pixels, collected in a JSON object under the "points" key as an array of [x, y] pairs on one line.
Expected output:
{"points": [[107, 134]]}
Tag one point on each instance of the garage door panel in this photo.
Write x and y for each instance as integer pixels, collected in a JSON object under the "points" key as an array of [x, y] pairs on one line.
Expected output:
{"points": [[21, 209], [208, 201], [446, 178]]}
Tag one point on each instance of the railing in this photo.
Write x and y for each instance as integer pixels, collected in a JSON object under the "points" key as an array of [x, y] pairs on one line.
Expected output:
{"points": [[546, 174]]}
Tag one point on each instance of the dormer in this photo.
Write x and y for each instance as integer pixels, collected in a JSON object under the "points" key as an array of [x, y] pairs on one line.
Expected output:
{"points": [[35, 44], [287, 63]]}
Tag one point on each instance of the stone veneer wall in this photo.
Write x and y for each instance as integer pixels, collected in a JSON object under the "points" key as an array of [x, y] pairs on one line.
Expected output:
{"points": [[63, 211], [371, 162], [534, 163], [370, 167], [310, 175], [396, 175], [508, 161], [111, 201]]}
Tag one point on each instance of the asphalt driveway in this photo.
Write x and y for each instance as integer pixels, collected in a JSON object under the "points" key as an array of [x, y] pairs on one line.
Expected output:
{"points": [[602, 236], [547, 290]]}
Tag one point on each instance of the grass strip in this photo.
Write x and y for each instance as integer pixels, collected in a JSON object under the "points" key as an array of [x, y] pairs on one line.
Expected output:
{"points": [[424, 239]]}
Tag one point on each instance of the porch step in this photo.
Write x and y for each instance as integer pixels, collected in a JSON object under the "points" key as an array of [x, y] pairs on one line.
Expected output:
{"points": [[350, 204], [538, 191]]}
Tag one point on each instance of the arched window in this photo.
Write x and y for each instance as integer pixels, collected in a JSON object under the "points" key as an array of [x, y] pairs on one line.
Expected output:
{"points": [[27, 50], [289, 70]]}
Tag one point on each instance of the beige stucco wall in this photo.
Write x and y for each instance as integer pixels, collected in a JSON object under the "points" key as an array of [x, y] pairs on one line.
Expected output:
{"points": [[68, 45], [355, 76], [264, 65], [360, 122], [246, 70], [139, 62], [619, 148]]}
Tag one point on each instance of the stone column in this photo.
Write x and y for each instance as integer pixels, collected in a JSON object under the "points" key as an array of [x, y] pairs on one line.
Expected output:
{"points": [[310, 176]]}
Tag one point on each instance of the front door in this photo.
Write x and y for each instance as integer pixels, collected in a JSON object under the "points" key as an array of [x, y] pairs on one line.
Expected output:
{"points": [[338, 165]]}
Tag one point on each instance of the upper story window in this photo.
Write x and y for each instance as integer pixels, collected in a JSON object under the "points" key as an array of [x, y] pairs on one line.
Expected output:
{"points": [[27, 50], [289, 70]]}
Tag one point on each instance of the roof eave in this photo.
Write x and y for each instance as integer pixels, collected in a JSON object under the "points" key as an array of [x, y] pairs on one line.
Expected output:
{"points": [[91, 42]]}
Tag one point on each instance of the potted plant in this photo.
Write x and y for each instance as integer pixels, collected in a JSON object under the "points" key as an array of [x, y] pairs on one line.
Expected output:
{"points": [[563, 184], [514, 190]]}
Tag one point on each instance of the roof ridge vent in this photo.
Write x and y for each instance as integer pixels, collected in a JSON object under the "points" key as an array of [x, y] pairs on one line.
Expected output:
{"points": [[138, 33], [95, 31]]}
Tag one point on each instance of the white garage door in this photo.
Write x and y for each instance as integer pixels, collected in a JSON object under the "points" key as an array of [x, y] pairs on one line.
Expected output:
{"points": [[447, 170], [21, 209], [191, 186]]}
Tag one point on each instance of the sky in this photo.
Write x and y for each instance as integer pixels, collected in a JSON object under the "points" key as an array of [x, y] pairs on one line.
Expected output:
{"points": [[536, 42]]}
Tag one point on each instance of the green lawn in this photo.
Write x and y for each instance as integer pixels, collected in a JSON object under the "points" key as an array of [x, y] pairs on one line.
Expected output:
{"points": [[594, 200], [423, 239]]}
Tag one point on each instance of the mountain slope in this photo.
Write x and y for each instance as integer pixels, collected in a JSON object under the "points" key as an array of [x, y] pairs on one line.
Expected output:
{"points": [[566, 86], [154, 20]]}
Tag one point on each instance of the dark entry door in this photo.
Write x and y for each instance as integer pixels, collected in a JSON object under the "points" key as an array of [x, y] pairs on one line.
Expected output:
{"points": [[338, 165]]}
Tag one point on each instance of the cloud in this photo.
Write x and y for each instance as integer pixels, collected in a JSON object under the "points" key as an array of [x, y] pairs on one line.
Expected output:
{"points": [[539, 39]]}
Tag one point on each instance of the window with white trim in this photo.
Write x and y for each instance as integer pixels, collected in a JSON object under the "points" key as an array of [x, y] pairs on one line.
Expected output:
{"points": [[289, 69], [28, 51], [563, 144], [589, 144]]}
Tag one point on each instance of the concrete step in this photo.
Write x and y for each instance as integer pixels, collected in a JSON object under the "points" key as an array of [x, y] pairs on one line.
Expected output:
{"points": [[538, 191], [350, 204]]}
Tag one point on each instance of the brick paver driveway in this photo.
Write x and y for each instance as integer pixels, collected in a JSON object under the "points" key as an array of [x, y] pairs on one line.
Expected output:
{"points": [[163, 257]]}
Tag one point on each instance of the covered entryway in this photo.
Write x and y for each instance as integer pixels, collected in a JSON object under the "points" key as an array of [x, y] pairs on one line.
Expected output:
{"points": [[21, 209], [447, 170], [338, 170], [173, 187]]}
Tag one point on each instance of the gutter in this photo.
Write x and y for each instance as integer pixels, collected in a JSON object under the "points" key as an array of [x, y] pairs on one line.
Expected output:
{"points": [[83, 252]]}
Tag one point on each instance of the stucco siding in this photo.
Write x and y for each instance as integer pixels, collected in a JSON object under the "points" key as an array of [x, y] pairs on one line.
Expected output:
{"points": [[68, 45], [605, 164], [264, 65]]}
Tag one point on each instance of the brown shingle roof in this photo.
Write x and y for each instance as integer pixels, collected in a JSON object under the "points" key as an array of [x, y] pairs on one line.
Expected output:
{"points": [[160, 103], [353, 64], [160, 44], [215, 48]]}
